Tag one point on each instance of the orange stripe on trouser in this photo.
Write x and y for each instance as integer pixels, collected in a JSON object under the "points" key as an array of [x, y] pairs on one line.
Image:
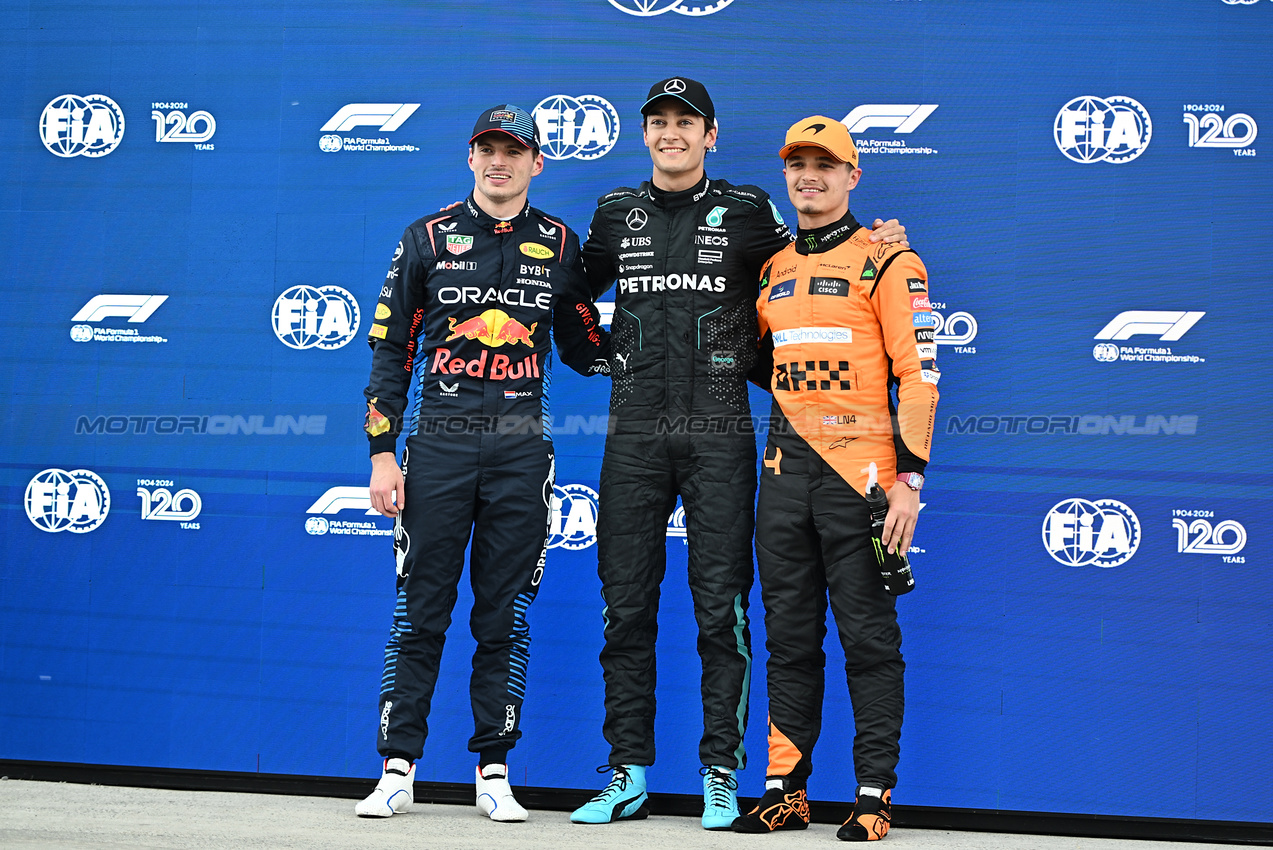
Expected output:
{"points": [[783, 755]]}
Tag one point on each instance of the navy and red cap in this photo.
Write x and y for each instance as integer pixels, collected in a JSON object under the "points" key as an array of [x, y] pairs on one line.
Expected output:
{"points": [[511, 120], [691, 92]]}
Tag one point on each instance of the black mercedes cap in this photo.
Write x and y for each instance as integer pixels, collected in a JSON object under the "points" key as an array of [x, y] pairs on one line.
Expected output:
{"points": [[691, 92], [509, 119]]}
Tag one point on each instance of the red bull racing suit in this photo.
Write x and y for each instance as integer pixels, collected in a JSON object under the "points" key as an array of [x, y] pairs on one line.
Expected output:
{"points": [[685, 265], [843, 323], [462, 362]]}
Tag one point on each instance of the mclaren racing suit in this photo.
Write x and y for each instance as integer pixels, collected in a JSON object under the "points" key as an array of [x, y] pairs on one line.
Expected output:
{"points": [[684, 336], [462, 362], [844, 322]]}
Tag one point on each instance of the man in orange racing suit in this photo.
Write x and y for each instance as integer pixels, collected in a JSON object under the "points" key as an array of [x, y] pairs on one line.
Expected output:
{"points": [[843, 321]]}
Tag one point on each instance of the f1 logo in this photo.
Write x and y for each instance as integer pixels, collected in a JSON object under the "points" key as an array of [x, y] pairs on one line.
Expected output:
{"points": [[899, 117], [338, 499], [386, 116], [135, 308], [1170, 325]]}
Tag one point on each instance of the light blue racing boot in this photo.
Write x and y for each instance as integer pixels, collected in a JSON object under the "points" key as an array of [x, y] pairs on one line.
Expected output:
{"points": [[623, 799], [720, 797]]}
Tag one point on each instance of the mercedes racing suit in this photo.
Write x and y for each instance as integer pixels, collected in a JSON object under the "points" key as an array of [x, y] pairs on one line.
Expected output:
{"points": [[462, 362], [844, 322], [684, 336]]}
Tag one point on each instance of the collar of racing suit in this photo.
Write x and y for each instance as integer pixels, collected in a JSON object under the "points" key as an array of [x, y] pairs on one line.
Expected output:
{"points": [[825, 238], [683, 198], [491, 223]]}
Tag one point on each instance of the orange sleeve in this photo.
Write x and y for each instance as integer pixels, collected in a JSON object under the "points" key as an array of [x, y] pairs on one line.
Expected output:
{"points": [[908, 325]]}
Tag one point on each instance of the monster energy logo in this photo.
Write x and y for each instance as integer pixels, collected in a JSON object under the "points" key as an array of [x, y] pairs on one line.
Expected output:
{"points": [[811, 241]]}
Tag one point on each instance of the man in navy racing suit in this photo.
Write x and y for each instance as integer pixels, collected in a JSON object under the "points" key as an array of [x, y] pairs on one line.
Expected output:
{"points": [[462, 362]]}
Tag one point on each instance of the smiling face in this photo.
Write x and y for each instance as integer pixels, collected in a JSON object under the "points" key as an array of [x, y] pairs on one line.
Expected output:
{"points": [[678, 139], [818, 185], [502, 168]]}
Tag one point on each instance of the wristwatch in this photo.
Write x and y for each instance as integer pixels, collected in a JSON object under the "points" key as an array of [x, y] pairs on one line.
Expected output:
{"points": [[913, 480]]}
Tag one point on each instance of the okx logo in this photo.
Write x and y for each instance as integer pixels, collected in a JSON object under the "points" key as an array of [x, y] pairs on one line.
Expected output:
{"points": [[1093, 129], [1103, 533], [76, 501], [92, 125], [583, 127], [315, 317]]}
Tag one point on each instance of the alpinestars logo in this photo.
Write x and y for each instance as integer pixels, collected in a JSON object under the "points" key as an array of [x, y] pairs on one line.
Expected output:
{"points": [[583, 127], [1093, 129], [650, 8]]}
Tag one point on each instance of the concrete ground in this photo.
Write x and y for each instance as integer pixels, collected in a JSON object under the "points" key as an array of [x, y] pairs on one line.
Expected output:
{"points": [[78, 817]]}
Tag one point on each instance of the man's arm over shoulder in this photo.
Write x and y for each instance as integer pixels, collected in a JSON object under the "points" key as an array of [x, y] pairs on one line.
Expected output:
{"points": [[761, 374], [398, 321], [900, 299], [600, 257], [765, 232], [584, 345]]}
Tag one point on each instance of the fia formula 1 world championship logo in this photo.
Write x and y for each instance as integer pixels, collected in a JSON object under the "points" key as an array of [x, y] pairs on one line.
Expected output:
{"points": [[650, 8]]}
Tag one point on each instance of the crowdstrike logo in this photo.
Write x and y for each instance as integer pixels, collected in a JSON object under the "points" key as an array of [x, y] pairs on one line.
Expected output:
{"points": [[583, 127], [315, 317], [650, 8], [71, 125], [135, 308], [76, 501], [1093, 129], [572, 523], [1103, 533]]}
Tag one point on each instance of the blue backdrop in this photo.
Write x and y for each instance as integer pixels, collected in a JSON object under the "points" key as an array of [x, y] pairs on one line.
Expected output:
{"points": [[197, 205]]}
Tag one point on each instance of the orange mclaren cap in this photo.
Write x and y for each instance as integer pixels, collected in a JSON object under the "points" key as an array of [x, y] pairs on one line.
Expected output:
{"points": [[822, 132]]}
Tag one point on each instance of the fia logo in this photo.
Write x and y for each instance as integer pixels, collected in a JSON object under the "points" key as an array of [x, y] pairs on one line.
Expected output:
{"points": [[90, 126], [584, 127], [1093, 129], [676, 524], [650, 8], [315, 317], [76, 501], [1103, 533], [573, 521]]}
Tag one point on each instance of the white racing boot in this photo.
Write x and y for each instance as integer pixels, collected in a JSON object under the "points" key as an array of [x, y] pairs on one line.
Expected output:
{"points": [[495, 797], [395, 792]]}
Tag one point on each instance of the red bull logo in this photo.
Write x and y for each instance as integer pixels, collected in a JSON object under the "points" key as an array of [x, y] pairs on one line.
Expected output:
{"points": [[498, 367], [493, 328]]}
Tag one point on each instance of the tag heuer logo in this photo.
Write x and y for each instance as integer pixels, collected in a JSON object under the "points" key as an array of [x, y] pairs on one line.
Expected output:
{"points": [[457, 244]]}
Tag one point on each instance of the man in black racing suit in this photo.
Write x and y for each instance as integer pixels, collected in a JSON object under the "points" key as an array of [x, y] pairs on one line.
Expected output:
{"points": [[462, 362], [685, 252]]}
